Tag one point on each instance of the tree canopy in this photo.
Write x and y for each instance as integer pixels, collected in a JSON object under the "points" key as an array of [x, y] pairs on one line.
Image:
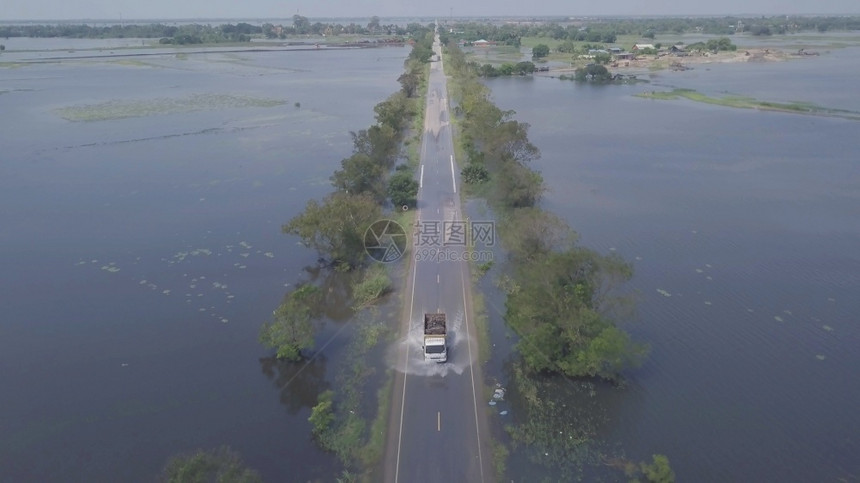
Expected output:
{"points": [[359, 174], [335, 227], [221, 465], [561, 297], [714, 45], [403, 189], [291, 330], [540, 51], [559, 311], [658, 471], [593, 73]]}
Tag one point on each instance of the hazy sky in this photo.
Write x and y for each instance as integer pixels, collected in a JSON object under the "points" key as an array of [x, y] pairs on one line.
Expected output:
{"points": [[129, 9]]}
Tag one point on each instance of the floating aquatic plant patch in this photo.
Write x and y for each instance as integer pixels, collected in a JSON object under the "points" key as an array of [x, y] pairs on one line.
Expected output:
{"points": [[750, 103], [122, 109]]}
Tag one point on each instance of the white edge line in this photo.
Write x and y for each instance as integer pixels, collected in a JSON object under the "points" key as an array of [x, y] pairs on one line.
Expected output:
{"points": [[453, 175], [472, 374], [406, 368], [421, 179]]}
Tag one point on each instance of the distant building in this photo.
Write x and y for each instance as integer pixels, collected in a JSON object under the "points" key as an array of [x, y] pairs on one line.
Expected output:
{"points": [[643, 47], [615, 50], [677, 49], [481, 43]]}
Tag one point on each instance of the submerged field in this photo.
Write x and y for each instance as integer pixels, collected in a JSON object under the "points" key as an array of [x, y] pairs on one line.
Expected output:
{"points": [[740, 226], [743, 102], [122, 109], [142, 252]]}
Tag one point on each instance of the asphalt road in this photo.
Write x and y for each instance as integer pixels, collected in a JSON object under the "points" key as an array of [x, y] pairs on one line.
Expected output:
{"points": [[438, 421]]}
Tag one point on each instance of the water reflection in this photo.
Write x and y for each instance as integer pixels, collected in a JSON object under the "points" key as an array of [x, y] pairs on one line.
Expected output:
{"points": [[744, 243], [299, 383], [171, 253], [336, 290]]}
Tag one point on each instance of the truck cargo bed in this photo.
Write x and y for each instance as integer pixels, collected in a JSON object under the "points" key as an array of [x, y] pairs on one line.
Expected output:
{"points": [[434, 324]]}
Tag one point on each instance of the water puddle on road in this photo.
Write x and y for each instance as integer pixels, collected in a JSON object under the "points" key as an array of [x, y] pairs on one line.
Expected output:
{"points": [[458, 351]]}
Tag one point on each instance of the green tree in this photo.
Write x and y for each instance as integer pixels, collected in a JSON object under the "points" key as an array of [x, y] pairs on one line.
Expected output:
{"points": [[505, 69], [373, 25], [422, 53], [602, 58], [531, 233], [524, 67], [220, 465], [714, 45], [540, 51], [336, 227], [567, 47], [380, 142], [593, 73], [519, 186], [291, 331], [360, 173], [322, 415], [760, 30], [409, 82], [395, 111], [301, 24], [487, 70], [507, 140], [474, 173], [374, 285], [403, 189], [659, 470], [560, 312]]}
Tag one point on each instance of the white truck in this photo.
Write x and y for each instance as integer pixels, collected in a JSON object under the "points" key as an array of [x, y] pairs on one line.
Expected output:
{"points": [[435, 330]]}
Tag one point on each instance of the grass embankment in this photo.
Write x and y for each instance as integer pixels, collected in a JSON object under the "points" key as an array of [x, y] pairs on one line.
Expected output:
{"points": [[348, 421], [359, 445], [476, 269], [742, 102], [559, 300]]}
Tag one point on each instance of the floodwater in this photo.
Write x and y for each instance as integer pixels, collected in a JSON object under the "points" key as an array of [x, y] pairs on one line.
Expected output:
{"points": [[142, 252], [743, 229], [413, 345]]}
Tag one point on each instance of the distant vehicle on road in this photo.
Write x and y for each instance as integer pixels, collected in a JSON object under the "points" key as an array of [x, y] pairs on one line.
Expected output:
{"points": [[435, 330]]}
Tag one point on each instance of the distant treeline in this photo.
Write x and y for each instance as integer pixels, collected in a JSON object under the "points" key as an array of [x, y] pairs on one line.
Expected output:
{"points": [[606, 30], [184, 34], [198, 33], [303, 26]]}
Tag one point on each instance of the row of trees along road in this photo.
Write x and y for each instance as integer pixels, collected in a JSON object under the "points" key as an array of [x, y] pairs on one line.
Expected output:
{"points": [[561, 296], [335, 226]]}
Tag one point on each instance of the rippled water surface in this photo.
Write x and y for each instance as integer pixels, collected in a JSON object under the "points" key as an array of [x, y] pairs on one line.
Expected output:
{"points": [[743, 228], [142, 251]]}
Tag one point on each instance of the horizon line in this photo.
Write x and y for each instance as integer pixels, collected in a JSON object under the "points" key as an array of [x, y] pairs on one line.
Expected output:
{"points": [[434, 17]]}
